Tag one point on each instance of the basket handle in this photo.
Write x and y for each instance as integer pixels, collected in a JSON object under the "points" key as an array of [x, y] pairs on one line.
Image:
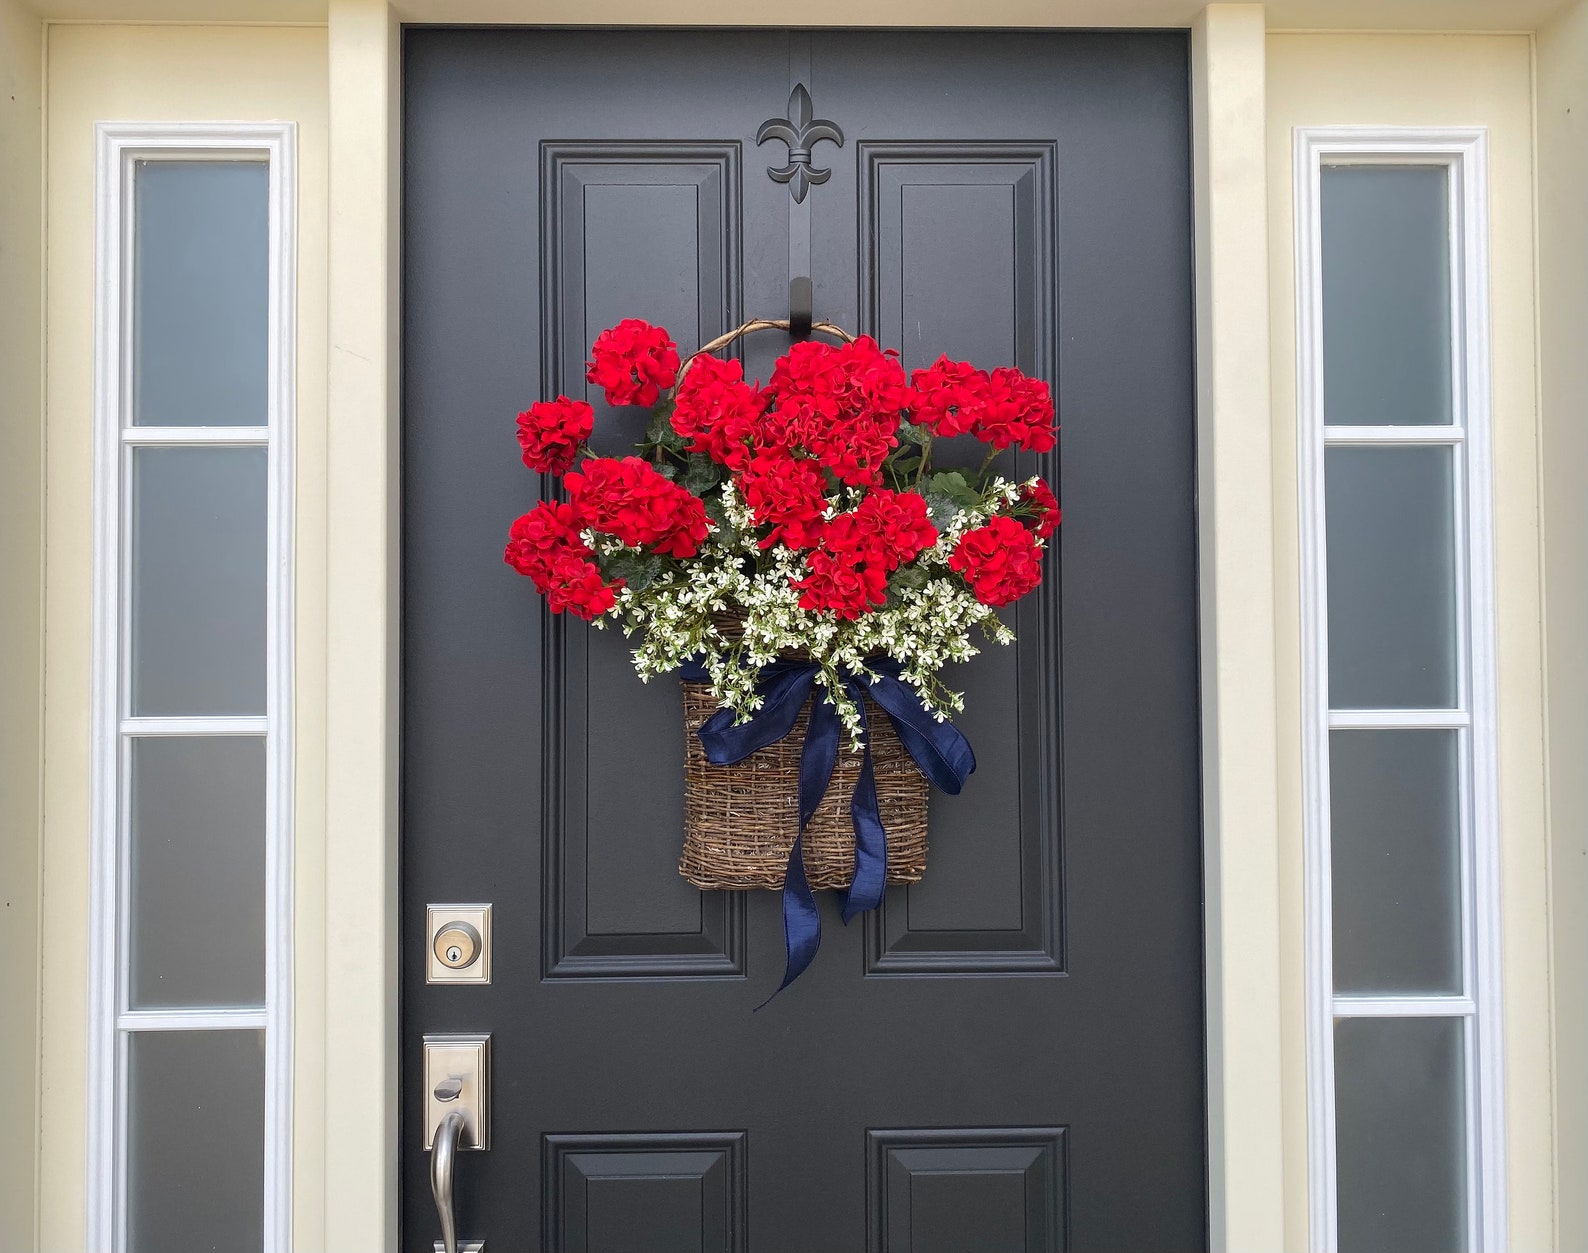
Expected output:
{"points": [[750, 328]]}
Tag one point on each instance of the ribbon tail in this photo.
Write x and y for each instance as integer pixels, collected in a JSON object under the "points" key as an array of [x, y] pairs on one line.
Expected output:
{"points": [[942, 752], [871, 841], [802, 926]]}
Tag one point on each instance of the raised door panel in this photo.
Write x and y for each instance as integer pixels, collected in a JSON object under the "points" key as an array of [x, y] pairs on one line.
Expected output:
{"points": [[668, 1191], [967, 1191], [648, 230], [957, 257]]}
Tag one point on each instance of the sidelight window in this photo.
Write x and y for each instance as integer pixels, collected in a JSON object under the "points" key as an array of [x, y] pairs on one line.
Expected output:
{"points": [[190, 1030], [1402, 835]]}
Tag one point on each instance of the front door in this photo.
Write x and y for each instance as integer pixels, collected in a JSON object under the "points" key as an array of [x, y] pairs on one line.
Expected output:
{"points": [[1008, 1056]]}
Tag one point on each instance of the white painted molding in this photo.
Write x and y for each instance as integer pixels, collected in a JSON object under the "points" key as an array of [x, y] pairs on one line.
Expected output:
{"points": [[1463, 151], [117, 146]]}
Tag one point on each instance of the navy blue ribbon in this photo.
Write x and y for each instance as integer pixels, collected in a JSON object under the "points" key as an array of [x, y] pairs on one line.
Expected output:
{"points": [[942, 753]]}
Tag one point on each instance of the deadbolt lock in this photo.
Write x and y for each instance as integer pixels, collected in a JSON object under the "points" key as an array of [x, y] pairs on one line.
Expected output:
{"points": [[460, 944], [457, 945]]}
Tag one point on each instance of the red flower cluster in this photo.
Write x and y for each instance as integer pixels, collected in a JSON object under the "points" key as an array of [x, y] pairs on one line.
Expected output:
{"points": [[632, 362], [1000, 561], [551, 431], [849, 573], [842, 404], [1002, 408], [628, 499], [544, 544], [786, 493], [1044, 506], [718, 412]]}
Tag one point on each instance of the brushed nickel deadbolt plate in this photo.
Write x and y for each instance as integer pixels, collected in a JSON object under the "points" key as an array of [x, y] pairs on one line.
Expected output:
{"points": [[457, 943]]}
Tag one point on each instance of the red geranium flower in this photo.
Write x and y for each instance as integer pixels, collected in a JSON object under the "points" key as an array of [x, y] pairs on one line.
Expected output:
{"points": [[578, 588], [841, 583], [1015, 409], [544, 544], [630, 500], [550, 432], [1000, 561], [786, 493], [886, 528], [948, 395], [717, 411], [547, 533], [843, 404], [1046, 515], [632, 361]]}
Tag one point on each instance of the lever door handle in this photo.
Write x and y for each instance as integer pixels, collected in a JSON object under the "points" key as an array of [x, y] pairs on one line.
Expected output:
{"points": [[457, 1118], [443, 1158]]}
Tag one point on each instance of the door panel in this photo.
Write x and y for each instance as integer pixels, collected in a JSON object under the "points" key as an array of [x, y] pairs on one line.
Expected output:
{"points": [[1009, 1054]]}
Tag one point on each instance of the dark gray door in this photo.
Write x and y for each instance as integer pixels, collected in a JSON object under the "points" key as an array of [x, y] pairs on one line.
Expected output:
{"points": [[1009, 1056]]}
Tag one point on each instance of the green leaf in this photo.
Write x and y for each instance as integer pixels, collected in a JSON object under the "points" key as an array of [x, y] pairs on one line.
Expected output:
{"points": [[661, 420], [667, 470], [909, 578], [940, 508], [702, 474], [660, 429], [951, 483], [638, 570], [716, 510], [910, 433]]}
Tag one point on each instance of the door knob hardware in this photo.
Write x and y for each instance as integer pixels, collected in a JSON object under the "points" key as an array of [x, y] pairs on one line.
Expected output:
{"points": [[442, 1161], [457, 1078], [458, 939]]}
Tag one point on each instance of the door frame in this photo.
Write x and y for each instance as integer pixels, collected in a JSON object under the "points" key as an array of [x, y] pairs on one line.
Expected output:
{"points": [[1236, 615]]}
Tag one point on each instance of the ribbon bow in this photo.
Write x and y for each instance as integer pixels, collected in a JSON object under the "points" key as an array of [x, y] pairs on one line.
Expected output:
{"points": [[938, 748]]}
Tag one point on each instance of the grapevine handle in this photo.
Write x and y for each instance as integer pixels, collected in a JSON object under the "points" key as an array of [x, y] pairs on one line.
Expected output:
{"points": [[750, 328]]}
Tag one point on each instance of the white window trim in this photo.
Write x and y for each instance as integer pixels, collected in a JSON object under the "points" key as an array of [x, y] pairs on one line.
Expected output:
{"points": [[117, 146], [1464, 151]]}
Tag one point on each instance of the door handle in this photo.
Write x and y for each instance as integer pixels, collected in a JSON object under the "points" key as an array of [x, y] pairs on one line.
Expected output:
{"points": [[443, 1160], [457, 1079]]}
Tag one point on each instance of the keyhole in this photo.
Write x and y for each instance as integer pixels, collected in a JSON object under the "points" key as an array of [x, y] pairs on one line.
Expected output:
{"points": [[454, 953]]}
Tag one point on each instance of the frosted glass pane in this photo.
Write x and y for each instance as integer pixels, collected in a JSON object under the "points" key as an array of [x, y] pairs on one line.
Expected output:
{"points": [[1386, 295], [198, 871], [198, 581], [1400, 1134], [201, 256], [1397, 868], [196, 1141], [1392, 588]]}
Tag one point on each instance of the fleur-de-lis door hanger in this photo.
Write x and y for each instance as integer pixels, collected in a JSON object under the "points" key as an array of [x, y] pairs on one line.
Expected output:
{"points": [[801, 131]]}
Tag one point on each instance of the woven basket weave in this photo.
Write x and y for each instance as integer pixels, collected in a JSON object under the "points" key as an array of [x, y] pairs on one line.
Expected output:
{"points": [[740, 821]]}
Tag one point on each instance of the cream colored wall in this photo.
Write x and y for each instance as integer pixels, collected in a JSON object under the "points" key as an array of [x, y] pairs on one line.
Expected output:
{"points": [[163, 73], [1562, 117], [1435, 80], [21, 604]]}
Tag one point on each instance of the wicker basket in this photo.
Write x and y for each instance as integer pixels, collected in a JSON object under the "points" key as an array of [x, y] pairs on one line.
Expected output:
{"points": [[740, 821]]}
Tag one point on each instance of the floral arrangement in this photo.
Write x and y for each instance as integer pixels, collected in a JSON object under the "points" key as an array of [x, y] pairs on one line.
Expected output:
{"points": [[806, 512]]}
